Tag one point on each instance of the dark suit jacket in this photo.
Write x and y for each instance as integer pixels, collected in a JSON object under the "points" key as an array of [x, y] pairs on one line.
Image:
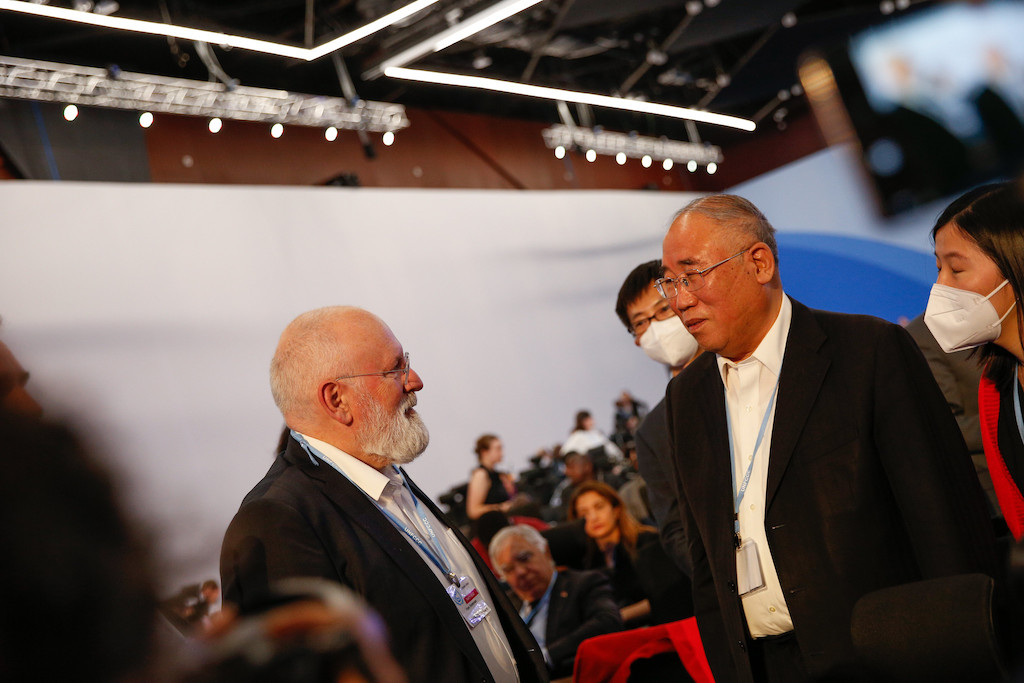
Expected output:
{"points": [[582, 606], [306, 519], [868, 486], [657, 467]]}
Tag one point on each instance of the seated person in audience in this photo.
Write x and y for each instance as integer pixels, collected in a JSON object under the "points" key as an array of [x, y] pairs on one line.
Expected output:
{"points": [[491, 523], [579, 468], [561, 608], [489, 489], [648, 587]]}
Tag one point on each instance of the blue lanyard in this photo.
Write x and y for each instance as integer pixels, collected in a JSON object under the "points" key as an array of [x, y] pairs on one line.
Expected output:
{"points": [[1016, 407], [429, 548], [543, 600], [750, 467]]}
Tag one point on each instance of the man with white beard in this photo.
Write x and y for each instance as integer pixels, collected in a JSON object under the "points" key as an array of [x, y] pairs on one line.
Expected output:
{"points": [[336, 505]]}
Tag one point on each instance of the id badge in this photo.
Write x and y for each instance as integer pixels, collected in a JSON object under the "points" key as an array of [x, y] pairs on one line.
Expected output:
{"points": [[467, 598], [749, 578]]}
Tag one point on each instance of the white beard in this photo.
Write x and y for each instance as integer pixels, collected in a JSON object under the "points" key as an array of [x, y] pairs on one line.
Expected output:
{"points": [[397, 438]]}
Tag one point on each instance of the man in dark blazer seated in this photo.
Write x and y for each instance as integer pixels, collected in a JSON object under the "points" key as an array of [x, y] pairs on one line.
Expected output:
{"points": [[335, 504], [817, 459], [562, 608]]}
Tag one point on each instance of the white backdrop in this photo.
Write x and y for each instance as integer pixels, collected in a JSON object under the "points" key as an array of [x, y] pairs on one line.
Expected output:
{"points": [[149, 314]]}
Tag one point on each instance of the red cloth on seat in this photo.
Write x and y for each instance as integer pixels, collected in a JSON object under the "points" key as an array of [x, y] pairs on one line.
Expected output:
{"points": [[607, 659]]}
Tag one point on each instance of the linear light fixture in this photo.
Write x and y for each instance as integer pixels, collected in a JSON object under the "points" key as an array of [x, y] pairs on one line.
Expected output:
{"points": [[632, 146], [216, 37], [558, 94], [453, 34], [88, 86]]}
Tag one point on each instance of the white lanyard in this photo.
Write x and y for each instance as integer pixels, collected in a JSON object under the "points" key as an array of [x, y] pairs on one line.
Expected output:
{"points": [[431, 548], [1016, 408], [750, 467]]}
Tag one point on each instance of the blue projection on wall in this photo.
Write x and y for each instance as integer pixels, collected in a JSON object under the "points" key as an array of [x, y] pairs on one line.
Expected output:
{"points": [[855, 275]]}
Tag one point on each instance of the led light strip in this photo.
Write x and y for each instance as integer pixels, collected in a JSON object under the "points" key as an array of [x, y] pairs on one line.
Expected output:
{"points": [[215, 37], [569, 96]]}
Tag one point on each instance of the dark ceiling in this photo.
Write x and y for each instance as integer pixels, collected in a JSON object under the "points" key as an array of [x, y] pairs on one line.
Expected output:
{"points": [[732, 56]]}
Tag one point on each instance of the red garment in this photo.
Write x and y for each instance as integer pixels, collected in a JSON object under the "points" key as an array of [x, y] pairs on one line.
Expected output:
{"points": [[607, 659], [1011, 502]]}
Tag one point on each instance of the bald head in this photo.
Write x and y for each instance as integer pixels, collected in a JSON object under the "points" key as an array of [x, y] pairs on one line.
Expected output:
{"points": [[341, 376], [316, 347]]}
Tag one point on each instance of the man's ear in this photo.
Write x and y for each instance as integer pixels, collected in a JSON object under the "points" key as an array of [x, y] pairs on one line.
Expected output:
{"points": [[764, 262], [336, 400]]}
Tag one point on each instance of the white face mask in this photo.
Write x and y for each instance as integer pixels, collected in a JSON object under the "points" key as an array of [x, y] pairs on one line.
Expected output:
{"points": [[960, 319], [668, 342]]}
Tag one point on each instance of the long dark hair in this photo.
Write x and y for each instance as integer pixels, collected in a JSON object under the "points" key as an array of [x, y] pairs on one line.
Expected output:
{"points": [[629, 527], [993, 217]]}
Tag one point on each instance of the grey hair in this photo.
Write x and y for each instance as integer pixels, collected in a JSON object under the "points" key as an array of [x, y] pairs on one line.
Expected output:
{"points": [[737, 215], [306, 354], [527, 533]]}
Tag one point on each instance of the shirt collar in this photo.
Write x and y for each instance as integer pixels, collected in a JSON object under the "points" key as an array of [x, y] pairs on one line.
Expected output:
{"points": [[772, 348], [372, 481]]}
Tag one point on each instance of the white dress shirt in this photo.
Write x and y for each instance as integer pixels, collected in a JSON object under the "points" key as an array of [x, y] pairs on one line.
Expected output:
{"points": [[387, 490], [749, 385]]}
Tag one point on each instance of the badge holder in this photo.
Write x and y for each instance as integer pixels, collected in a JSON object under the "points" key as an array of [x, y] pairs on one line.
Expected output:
{"points": [[749, 577], [465, 595]]}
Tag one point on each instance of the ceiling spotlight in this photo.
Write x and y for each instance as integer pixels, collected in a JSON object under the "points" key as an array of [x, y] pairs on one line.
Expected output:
{"points": [[146, 119], [331, 134], [783, 95], [591, 156], [797, 90], [106, 7], [276, 131], [789, 19], [902, 4], [646, 161], [560, 152], [82, 5], [691, 166], [70, 112], [711, 3], [215, 125], [620, 158], [481, 61], [667, 164], [656, 57], [694, 7], [887, 7], [723, 80], [712, 167], [388, 138]]}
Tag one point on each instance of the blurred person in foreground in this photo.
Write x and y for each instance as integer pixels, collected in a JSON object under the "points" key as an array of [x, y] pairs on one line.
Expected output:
{"points": [[337, 505], [659, 332], [817, 459], [976, 303], [77, 592], [14, 396], [561, 608]]}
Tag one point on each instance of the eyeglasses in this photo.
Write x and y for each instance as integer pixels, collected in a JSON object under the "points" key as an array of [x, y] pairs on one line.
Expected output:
{"points": [[404, 370], [664, 312], [518, 560], [669, 287]]}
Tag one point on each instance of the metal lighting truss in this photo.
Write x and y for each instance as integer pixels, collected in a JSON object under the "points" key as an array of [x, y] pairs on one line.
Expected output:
{"points": [[45, 81], [633, 146]]}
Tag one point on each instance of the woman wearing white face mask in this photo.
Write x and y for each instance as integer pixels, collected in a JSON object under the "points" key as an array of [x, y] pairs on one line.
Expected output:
{"points": [[976, 302]]}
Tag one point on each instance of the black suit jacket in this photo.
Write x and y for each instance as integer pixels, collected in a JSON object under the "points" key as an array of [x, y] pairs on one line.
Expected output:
{"points": [[582, 606], [306, 519], [658, 468], [868, 486]]}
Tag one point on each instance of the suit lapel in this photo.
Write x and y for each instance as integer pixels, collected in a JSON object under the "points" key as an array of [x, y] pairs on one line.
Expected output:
{"points": [[359, 508], [803, 371], [702, 450], [556, 603]]}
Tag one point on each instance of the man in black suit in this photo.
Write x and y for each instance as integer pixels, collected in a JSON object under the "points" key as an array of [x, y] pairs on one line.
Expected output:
{"points": [[657, 330], [562, 608], [335, 504], [817, 459]]}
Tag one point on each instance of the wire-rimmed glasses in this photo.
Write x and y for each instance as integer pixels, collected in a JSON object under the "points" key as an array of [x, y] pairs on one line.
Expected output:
{"points": [[404, 369], [669, 287]]}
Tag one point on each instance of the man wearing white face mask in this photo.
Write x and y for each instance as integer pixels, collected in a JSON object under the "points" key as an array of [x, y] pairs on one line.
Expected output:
{"points": [[660, 333]]}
